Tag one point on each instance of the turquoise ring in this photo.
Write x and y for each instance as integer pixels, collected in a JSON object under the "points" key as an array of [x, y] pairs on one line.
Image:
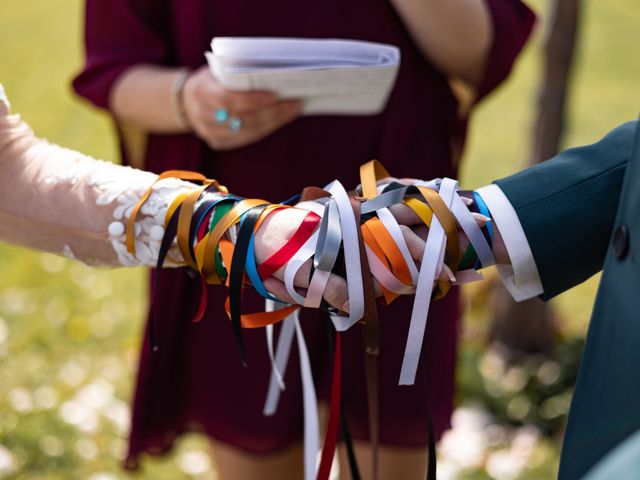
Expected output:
{"points": [[220, 115]]}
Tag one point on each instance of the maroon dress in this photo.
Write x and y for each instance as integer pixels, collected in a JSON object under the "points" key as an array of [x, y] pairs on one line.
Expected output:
{"points": [[196, 381]]}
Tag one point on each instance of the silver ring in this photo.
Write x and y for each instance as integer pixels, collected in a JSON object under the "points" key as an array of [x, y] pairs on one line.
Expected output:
{"points": [[235, 124]]}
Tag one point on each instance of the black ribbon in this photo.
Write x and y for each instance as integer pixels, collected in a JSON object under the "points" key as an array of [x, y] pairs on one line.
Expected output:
{"points": [[236, 274], [167, 240]]}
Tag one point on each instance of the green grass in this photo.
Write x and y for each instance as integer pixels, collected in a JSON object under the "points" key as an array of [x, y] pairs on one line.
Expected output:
{"points": [[69, 335]]}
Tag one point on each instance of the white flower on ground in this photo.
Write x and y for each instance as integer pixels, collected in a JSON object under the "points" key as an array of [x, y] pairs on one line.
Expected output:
{"points": [[465, 444], [7, 461], [103, 476], [21, 400], [194, 462], [46, 397], [87, 448]]}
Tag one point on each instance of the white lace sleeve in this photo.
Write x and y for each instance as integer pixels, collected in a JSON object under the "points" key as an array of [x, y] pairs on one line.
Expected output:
{"points": [[61, 201]]}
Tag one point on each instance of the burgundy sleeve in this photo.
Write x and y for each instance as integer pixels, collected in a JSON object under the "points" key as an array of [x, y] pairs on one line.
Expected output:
{"points": [[118, 35], [512, 25]]}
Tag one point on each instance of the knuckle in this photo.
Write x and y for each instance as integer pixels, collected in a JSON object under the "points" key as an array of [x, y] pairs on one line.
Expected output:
{"points": [[200, 113], [334, 291], [216, 142], [212, 143], [203, 114], [225, 99], [330, 291], [249, 120]]}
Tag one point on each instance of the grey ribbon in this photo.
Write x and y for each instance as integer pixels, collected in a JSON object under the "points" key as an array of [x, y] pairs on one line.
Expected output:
{"points": [[329, 238], [384, 200]]}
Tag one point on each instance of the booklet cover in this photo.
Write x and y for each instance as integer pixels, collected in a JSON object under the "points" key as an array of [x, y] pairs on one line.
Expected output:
{"points": [[333, 77]]}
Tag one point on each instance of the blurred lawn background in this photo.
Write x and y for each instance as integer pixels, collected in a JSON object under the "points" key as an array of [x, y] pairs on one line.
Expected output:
{"points": [[69, 335]]}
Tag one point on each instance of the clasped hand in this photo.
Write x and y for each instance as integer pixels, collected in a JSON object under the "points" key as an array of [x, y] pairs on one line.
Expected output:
{"points": [[227, 119], [279, 227]]}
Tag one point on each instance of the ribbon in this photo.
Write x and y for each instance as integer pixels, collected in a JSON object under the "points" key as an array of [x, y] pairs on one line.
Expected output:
{"points": [[356, 237]]}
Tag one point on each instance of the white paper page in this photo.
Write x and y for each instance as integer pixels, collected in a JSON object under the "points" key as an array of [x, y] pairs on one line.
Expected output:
{"points": [[331, 76], [303, 50]]}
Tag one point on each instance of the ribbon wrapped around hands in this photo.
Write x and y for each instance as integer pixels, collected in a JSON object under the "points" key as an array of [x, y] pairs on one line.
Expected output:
{"points": [[333, 250]]}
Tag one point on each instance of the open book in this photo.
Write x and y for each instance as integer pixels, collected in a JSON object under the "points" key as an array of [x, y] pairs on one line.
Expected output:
{"points": [[343, 77]]}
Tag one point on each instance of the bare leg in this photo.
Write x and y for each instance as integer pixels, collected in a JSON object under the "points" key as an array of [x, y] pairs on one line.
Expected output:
{"points": [[406, 463], [234, 464]]}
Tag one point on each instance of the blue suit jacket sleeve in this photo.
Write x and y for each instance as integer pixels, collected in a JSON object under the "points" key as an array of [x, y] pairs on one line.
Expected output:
{"points": [[567, 207]]}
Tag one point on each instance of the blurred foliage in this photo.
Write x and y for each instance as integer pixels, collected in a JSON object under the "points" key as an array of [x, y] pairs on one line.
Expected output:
{"points": [[524, 403], [69, 335], [534, 390]]}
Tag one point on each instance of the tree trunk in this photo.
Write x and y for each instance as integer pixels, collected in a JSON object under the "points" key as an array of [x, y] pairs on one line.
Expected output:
{"points": [[529, 326], [558, 59]]}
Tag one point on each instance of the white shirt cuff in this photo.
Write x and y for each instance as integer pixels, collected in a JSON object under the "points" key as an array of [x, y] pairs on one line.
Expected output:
{"points": [[521, 277]]}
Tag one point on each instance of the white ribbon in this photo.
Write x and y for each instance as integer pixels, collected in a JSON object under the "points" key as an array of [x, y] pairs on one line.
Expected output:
{"points": [[280, 360], [301, 256], [432, 259], [351, 257], [311, 424], [472, 231], [390, 223]]}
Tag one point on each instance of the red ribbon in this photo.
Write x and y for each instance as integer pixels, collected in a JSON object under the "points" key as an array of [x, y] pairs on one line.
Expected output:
{"points": [[331, 436]]}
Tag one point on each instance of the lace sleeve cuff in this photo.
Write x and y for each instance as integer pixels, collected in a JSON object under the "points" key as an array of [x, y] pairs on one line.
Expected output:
{"points": [[61, 201]]}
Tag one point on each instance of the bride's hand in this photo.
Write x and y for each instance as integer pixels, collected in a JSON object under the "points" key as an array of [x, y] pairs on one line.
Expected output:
{"points": [[273, 233]]}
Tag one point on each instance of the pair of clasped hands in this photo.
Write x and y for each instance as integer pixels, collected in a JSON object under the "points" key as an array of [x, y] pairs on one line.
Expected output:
{"points": [[279, 227], [262, 113]]}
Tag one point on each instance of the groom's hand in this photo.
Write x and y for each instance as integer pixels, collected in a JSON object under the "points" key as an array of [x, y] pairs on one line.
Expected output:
{"points": [[406, 217]]}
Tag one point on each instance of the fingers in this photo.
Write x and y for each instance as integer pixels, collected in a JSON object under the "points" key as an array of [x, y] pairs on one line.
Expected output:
{"points": [[251, 127], [278, 289], [404, 215], [409, 181], [415, 244], [336, 290], [274, 116], [259, 124], [445, 274], [480, 219], [335, 293], [203, 89], [228, 119], [422, 231], [261, 119], [240, 102]]}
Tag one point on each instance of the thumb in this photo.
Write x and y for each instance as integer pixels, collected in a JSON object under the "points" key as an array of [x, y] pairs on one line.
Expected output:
{"points": [[5, 107]]}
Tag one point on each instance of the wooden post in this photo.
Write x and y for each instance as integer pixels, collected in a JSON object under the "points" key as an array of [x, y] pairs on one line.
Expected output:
{"points": [[529, 326], [559, 52]]}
